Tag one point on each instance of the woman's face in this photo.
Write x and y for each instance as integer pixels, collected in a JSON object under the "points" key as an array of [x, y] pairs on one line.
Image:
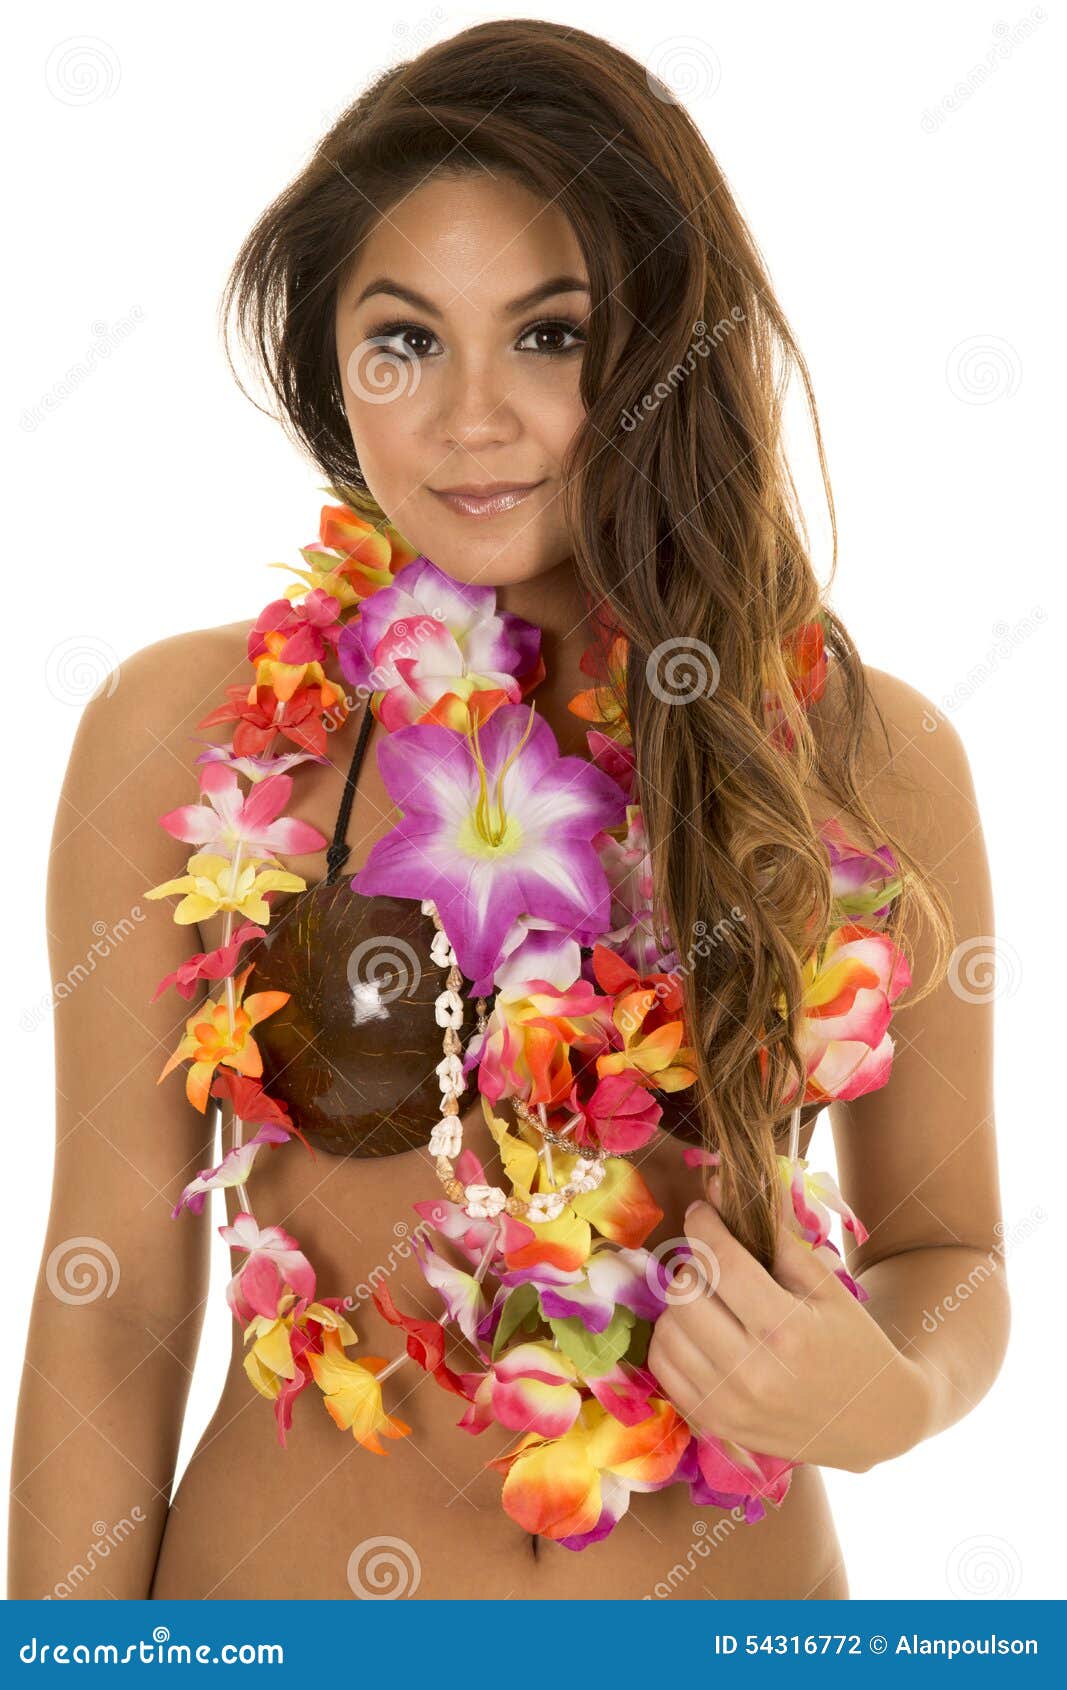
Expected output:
{"points": [[459, 339]]}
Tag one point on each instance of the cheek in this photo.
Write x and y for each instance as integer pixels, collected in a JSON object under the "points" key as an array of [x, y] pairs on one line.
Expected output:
{"points": [[387, 438], [552, 411]]}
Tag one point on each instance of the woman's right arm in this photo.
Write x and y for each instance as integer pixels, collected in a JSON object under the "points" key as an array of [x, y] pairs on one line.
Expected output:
{"points": [[115, 1319]]}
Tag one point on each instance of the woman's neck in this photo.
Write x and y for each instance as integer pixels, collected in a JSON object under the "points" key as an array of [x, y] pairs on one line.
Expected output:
{"points": [[555, 602]]}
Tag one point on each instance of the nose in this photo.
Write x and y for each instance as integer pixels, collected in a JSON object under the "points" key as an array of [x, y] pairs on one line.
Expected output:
{"points": [[476, 408]]}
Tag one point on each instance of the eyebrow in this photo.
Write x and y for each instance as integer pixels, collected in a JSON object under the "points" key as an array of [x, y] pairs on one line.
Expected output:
{"points": [[544, 290]]}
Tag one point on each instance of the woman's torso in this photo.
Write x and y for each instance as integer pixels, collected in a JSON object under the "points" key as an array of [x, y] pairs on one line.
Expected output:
{"points": [[325, 1517]]}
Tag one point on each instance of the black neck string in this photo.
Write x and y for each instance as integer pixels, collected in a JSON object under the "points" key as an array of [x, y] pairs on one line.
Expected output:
{"points": [[337, 852]]}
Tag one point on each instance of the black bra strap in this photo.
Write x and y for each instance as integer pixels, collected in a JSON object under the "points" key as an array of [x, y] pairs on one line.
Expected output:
{"points": [[337, 852]]}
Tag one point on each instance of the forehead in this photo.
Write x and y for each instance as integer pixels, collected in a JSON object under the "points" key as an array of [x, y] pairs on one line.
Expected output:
{"points": [[469, 244]]}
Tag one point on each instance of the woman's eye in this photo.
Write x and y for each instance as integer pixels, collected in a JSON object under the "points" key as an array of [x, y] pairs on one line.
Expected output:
{"points": [[558, 328], [389, 333], [408, 340]]}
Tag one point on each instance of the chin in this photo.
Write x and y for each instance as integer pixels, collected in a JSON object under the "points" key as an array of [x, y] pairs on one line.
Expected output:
{"points": [[486, 567], [484, 560]]}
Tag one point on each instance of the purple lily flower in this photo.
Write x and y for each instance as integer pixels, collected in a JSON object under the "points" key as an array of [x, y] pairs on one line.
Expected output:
{"points": [[496, 824]]}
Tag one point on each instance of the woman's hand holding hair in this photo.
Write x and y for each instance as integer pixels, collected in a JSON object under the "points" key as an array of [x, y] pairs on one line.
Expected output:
{"points": [[787, 1362]]}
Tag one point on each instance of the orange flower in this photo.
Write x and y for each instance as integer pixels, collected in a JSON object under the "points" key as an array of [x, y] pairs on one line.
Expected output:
{"points": [[605, 704], [355, 558], [210, 1039]]}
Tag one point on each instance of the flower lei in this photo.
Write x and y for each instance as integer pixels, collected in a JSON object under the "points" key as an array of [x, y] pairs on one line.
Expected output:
{"points": [[534, 869]]}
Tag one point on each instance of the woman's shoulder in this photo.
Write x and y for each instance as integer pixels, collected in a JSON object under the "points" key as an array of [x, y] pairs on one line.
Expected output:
{"points": [[910, 764], [903, 737], [141, 726], [208, 659]]}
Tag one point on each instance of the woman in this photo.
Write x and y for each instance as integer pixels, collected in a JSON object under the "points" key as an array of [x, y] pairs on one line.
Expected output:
{"points": [[513, 314]]}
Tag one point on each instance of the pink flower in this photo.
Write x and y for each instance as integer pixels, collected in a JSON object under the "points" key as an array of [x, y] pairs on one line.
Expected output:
{"points": [[809, 1192], [256, 767], [302, 633], [848, 992], [724, 1475], [628, 867], [433, 649], [616, 759], [620, 1116], [234, 1169], [864, 883], [231, 819], [274, 1263]]}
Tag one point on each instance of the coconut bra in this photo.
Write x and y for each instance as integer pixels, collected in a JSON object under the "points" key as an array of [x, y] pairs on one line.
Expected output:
{"points": [[354, 1051], [499, 944]]}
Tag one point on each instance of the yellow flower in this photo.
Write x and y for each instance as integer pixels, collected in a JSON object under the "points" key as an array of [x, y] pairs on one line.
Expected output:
{"points": [[352, 1394], [270, 1360], [211, 885]]}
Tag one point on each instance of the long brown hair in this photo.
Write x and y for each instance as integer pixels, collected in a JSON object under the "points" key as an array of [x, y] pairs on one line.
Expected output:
{"points": [[681, 506]]}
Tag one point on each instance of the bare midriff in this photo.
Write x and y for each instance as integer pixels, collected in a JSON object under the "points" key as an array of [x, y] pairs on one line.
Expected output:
{"points": [[325, 1517]]}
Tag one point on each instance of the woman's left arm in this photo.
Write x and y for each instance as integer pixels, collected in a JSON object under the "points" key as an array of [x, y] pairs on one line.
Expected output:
{"points": [[788, 1362]]}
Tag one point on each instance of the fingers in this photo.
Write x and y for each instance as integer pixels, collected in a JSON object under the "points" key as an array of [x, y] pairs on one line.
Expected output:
{"points": [[799, 1269], [692, 1371], [738, 1280], [701, 1327]]}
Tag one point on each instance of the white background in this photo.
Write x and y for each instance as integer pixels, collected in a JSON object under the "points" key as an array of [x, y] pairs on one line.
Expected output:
{"points": [[913, 248]]}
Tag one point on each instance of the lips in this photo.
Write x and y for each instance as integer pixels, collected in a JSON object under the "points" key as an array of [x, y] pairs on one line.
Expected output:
{"points": [[492, 503]]}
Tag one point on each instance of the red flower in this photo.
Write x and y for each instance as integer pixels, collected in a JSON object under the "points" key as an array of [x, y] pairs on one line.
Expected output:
{"points": [[260, 715], [248, 1100], [426, 1340], [208, 965]]}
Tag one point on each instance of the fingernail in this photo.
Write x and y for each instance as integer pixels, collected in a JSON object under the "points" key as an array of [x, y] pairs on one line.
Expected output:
{"points": [[691, 1207]]}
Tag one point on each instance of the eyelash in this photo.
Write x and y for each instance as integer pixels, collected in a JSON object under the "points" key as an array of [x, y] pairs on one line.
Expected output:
{"points": [[388, 331]]}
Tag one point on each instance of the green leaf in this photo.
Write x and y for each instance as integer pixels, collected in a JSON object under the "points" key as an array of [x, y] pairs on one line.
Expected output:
{"points": [[519, 1305], [594, 1352]]}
